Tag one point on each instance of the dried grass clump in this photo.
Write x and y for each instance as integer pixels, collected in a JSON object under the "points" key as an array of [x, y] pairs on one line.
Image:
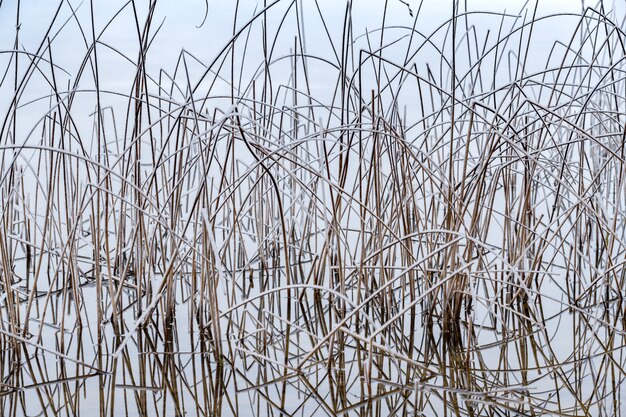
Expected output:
{"points": [[388, 222]]}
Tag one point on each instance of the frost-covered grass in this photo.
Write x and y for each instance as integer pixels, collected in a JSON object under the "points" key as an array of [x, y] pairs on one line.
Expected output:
{"points": [[323, 218]]}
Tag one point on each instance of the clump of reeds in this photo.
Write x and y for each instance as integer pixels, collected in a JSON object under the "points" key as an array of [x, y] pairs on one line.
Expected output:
{"points": [[387, 222]]}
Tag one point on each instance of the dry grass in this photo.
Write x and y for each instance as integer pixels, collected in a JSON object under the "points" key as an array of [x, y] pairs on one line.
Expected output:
{"points": [[433, 233]]}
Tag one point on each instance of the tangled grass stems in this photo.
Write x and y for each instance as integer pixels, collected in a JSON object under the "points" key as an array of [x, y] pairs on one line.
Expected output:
{"points": [[342, 220]]}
